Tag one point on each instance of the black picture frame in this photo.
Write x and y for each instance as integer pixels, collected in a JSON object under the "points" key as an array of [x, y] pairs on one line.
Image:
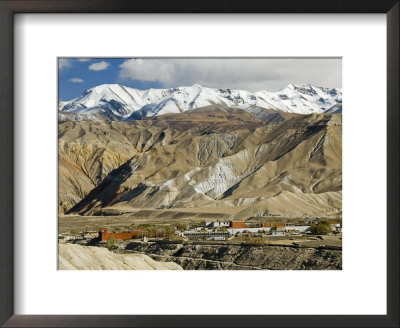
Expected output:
{"points": [[10, 7]]}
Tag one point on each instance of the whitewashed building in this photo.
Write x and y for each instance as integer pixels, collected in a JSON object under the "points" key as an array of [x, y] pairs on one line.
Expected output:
{"points": [[216, 224]]}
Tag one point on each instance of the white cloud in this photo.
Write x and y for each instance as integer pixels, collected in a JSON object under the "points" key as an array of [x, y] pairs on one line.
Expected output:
{"points": [[64, 63], [84, 59], [76, 80], [251, 74], [100, 66]]}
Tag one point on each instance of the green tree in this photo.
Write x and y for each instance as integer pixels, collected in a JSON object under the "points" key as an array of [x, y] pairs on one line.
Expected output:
{"points": [[322, 227], [110, 242], [180, 226]]}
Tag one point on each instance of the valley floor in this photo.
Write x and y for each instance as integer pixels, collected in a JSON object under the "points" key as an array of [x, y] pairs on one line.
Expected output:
{"points": [[238, 252], [66, 223]]}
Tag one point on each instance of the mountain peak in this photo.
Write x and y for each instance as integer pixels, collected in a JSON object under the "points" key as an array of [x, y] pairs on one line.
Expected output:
{"points": [[119, 102], [104, 86]]}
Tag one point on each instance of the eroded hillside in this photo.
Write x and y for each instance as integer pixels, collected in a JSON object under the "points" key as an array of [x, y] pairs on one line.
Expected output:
{"points": [[90, 150], [204, 159]]}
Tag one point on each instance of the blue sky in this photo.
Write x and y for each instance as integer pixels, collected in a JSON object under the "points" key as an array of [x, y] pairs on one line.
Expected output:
{"points": [[75, 76], [252, 74]]}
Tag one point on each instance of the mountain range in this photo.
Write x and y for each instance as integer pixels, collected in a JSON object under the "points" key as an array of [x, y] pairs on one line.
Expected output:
{"points": [[199, 152], [118, 102]]}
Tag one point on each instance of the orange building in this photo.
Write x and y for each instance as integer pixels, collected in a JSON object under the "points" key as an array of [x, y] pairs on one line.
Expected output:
{"points": [[104, 234], [239, 224]]}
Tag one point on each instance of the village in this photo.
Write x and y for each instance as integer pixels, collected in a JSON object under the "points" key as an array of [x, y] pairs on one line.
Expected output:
{"points": [[224, 230], [217, 230]]}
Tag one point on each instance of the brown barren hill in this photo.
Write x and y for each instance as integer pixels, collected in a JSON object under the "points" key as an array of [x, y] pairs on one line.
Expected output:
{"points": [[207, 158]]}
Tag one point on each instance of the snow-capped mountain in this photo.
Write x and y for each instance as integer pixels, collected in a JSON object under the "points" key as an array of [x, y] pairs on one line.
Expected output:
{"points": [[123, 103]]}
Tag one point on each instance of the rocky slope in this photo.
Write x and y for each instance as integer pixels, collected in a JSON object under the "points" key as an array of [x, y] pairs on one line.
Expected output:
{"points": [[242, 257], [77, 257], [208, 158]]}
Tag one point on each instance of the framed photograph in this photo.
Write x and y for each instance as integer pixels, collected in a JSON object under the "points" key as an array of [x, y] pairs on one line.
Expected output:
{"points": [[174, 164], [178, 175]]}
